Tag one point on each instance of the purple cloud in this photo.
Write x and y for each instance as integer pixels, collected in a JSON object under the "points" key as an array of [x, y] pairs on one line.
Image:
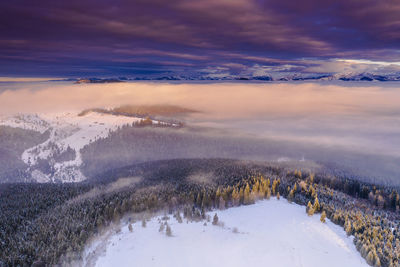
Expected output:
{"points": [[155, 36]]}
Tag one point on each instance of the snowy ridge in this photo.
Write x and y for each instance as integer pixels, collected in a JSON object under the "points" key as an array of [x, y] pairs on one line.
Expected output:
{"points": [[269, 233], [68, 133], [26, 121], [275, 76]]}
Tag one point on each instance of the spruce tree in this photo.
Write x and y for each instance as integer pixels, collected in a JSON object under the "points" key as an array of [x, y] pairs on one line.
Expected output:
{"points": [[323, 216], [215, 220], [198, 200], [217, 197], [370, 258], [316, 204], [291, 194], [268, 193], [347, 227], [246, 195], [168, 231], [178, 217], [310, 209], [235, 197], [311, 190], [256, 188], [222, 203], [274, 187], [241, 195]]}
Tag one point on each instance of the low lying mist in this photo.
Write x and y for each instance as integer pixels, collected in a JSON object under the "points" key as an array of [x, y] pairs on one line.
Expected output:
{"points": [[349, 126], [121, 183]]}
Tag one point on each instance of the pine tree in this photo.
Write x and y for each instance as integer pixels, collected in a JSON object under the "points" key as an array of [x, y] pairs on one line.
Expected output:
{"points": [[198, 200], [377, 262], [241, 195], [215, 220], [222, 203], [291, 195], [143, 223], [316, 204], [323, 216], [217, 196], [309, 209], [178, 217], [312, 175], [263, 187], [246, 195], [116, 215], [235, 197], [347, 227], [203, 213], [256, 188], [274, 187], [311, 191], [99, 222], [268, 193], [130, 227], [370, 258], [204, 201], [168, 231]]}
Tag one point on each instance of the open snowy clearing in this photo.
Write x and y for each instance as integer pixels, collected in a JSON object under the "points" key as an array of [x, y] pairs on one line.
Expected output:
{"points": [[270, 233]]}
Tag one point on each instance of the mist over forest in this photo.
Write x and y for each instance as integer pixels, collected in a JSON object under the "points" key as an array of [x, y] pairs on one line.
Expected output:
{"points": [[350, 129]]}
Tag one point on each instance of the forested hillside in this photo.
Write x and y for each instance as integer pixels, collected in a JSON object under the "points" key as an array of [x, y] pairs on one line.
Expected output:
{"points": [[13, 142], [192, 186]]}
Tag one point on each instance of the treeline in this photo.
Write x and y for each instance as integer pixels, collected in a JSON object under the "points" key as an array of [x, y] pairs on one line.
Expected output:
{"points": [[374, 224], [384, 197], [151, 111], [55, 225]]}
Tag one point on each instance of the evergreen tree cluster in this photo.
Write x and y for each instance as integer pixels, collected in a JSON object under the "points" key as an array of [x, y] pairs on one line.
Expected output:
{"points": [[50, 224], [374, 225]]}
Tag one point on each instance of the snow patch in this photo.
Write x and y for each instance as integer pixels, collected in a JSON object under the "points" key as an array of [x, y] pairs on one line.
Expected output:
{"points": [[40, 177], [26, 121], [270, 232]]}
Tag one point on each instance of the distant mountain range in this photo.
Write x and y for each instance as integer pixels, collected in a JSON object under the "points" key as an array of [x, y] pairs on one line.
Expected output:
{"points": [[98, 80], [347, 77], [292, 77]]}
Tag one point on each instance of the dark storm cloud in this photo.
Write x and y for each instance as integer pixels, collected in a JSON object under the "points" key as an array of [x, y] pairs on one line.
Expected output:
{"points": [[156, 36]]}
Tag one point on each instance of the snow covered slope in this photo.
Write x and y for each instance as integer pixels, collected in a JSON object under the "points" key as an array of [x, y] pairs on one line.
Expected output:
{"points": [[26, 121], [69, 133], [270, 233]]}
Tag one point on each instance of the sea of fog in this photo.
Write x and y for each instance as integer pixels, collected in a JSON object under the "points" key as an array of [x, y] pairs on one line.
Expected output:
{"points": [[354, 125]]}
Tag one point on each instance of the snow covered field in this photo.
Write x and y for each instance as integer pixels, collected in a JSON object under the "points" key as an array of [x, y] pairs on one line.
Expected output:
{"points": [[270, 233], [66, 130]]}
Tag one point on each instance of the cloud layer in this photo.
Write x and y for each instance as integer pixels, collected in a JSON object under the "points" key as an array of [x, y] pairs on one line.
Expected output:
{"points": [[152, 37], [361, 116]]}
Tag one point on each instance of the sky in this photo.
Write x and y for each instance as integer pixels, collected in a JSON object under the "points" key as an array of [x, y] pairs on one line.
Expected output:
{"points": [[53, 38]]}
